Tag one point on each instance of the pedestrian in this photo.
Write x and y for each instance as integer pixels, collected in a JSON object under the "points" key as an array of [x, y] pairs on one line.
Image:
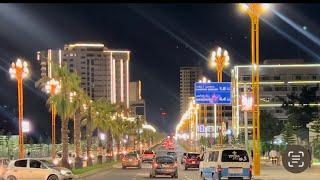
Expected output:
{"points": [[278, 157]]}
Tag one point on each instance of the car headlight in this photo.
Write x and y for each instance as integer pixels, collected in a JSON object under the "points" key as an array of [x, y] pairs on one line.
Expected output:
{"points": [[55, 161], [64, 172]]}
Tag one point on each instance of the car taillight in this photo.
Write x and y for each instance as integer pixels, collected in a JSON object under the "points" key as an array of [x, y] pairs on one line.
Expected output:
{"points": [[155, 165], [175, 165]]}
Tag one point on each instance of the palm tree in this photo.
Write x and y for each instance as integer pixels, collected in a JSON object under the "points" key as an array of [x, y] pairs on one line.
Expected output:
{"points": [[79, 105], [65, 109], [99, 116]]}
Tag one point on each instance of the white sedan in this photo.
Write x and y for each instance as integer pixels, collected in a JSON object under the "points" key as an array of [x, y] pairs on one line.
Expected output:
{"points": [[23, 169]]}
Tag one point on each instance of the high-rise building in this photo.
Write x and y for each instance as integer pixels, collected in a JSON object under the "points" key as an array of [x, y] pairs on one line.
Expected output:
{"points": [[137, 103], [103, 72], [188, 76], [278, 78]]}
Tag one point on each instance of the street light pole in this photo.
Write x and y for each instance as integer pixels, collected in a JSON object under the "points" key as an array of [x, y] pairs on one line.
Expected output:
{"points": [[19, 71], [220, 61], [255, 10], [53, 87]]}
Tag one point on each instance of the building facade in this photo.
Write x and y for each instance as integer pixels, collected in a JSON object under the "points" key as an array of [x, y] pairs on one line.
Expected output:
{"points": [[188, 76], [278, 78], [103, 72], [137, 104]]}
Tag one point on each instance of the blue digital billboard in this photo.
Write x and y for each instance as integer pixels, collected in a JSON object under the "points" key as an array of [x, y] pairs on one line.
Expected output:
{"points": [[212, 93]]}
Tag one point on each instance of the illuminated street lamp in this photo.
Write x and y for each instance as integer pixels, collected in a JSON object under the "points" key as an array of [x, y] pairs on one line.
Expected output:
{"points": [[219, 59], [102, 136], [255, 10], [19, 70], [26, 126], [52, 88]]}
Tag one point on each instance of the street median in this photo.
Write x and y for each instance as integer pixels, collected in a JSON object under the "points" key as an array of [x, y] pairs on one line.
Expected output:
{"points": [[82, 173]]}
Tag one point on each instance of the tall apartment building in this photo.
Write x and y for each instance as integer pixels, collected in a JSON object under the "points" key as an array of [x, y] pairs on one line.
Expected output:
{"points": [[103, 72], [137, 103], [277, 79], [188, 76]]}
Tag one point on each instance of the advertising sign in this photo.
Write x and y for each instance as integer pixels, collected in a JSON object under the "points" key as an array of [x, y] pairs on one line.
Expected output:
{"points": [[213, 93]]}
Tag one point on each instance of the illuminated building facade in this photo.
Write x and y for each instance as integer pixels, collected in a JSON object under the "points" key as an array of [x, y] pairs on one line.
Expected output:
{"points": [[103, 72], [137, 104], [188, 76], [278, 78]]}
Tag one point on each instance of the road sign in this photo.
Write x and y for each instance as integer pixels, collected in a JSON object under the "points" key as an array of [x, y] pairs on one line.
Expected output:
{"points": [[213, 93], [201, 128]]}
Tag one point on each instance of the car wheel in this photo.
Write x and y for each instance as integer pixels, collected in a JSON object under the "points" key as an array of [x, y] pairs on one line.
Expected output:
{"points": [[53, 177], [11, 178], [123, 167], [185, 168], [176, 176]]}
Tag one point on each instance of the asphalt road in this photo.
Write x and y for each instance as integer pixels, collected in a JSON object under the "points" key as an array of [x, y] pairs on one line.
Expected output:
{"points": [[117, 173], [269, 172]]}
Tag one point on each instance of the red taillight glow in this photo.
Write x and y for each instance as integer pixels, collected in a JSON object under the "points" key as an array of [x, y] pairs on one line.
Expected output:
{"points": [[154, 165]]}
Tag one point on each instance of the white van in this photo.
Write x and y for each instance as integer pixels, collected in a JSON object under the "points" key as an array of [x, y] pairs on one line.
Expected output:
{"points": [[225, 162]]}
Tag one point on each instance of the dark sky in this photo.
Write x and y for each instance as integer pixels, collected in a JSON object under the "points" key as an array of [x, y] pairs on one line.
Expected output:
{"points": [[161, 37]]}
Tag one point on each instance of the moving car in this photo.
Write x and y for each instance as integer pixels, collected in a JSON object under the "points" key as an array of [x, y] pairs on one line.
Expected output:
{"points": [[131, 160], [226, 162], [148, 156], [192, 160], [173, 154], [3, 166], [164, 165], [23, 169]]}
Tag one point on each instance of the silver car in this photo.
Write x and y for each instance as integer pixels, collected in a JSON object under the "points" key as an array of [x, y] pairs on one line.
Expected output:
{"points": [[23, 169]]}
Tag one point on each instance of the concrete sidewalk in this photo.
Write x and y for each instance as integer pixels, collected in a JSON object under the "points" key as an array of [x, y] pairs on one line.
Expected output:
{"points": [[277, 172]]}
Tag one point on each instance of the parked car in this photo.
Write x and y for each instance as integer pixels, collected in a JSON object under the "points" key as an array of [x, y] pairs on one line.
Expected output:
{"points": [[164, 165], [23, 169], [131, 160], [3, 166], [226, 162], [183, 157], [192, 160], [148, 156]]}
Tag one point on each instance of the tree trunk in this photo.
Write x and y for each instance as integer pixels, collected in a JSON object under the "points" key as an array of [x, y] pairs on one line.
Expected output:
{"points": [[109, 145], [118, 148], [77, 139], [89, 138], [64, 138]]}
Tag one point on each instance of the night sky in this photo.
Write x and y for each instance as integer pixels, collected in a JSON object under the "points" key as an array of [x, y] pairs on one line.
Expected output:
{"points": [[161, 37]]}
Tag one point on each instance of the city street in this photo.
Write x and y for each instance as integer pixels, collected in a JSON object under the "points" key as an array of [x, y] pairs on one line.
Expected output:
{"points": [[118, 173], [269, 172]]}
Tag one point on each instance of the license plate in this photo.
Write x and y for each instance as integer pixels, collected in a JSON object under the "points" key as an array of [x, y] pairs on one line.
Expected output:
{"points": [[130, 160], [235, 170], [193, 162], [166, 166]]}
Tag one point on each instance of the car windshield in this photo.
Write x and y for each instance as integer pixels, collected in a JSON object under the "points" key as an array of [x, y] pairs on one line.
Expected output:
{"points": [[234, 156], [193, 155], [131, 155], [163, 160], [171, 154], [47, 163]]}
